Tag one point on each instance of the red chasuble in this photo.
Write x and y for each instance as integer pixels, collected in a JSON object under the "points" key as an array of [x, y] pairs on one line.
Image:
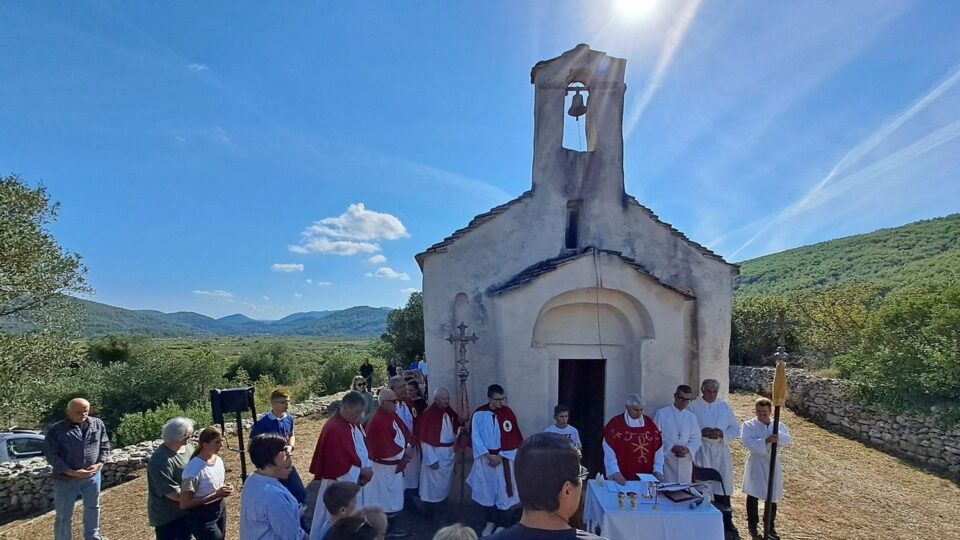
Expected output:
{"points": [[380, 435], [510, 436], [635, 447], [431, 423], [334, 453]]}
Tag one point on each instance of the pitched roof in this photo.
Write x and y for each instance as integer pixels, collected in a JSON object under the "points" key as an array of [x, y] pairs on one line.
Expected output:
{"points": [[474, 223], [534, 271], [673, 230]]}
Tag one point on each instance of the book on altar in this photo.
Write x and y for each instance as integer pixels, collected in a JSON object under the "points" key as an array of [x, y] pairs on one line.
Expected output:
{"points": [[682, 495]]}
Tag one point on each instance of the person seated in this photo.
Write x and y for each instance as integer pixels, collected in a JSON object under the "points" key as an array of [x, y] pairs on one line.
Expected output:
{"points": [[550, 480], [340, 499], [561, 426], [369, 523]]}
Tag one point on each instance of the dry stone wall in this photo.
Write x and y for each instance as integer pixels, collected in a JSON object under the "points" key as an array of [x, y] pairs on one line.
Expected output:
{"points": [[27, 486], [922, 440]]}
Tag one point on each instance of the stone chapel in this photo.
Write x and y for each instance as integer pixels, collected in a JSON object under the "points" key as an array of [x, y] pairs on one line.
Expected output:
{"points": [[578, 294]]}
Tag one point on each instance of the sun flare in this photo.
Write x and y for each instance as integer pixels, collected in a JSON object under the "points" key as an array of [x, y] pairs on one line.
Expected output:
{"points": [[633, 9]]}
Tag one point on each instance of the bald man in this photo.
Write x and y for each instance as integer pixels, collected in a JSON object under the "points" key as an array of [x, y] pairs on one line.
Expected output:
{"points": [[437, 432], [77, 448]]}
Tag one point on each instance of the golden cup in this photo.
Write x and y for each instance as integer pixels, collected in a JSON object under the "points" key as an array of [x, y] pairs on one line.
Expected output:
{"points": [[620, 499], [633, 500]]}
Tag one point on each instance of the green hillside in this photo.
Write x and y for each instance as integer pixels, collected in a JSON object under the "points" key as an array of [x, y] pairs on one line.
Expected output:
{"points": [[917, 254]]}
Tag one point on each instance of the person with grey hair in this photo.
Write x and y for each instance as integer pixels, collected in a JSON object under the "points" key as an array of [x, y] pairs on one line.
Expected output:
{"points": [[718, 428], [77, 448], [437, 432], [681, 436], [164, 477], [632, 444]]}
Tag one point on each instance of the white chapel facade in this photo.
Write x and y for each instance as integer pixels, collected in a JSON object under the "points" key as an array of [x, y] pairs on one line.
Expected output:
{"points": [[577, 293]]}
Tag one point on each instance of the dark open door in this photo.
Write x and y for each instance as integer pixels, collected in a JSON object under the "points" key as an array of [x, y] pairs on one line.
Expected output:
{"points": [[581, 387]]}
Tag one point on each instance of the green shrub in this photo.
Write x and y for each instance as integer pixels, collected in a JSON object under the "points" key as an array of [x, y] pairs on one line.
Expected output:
{"points": [[146, 426], [274, 359], [338, 369]]}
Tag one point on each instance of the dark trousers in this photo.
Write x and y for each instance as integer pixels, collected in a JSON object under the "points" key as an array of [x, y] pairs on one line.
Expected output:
{"points": [[208, 522], [294, 485], [499, 518], [753, 514], [178, 529], [724, 501]]}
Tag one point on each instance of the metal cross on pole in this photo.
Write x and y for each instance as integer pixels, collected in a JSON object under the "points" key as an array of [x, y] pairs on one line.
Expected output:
{"points": [[463, 445], [460, 342], [782, 325]]}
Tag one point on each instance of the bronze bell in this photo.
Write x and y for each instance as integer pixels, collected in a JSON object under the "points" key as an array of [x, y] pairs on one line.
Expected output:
{"points": [[577, 107]]}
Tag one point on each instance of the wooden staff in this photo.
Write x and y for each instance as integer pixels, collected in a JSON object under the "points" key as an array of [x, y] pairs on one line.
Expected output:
{"points": [[779, 400]]}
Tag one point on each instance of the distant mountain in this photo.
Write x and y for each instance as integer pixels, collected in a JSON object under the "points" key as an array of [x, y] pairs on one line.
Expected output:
{"points": [[102, 319], [920, 254], [299, 317]]}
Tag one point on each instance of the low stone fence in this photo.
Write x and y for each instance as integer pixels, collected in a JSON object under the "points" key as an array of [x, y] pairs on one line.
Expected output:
{"points": [[27, 486], [919, 439]]}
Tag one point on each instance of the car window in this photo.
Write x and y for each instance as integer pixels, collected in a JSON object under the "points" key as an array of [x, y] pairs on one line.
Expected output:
{"points": [[25, 448]]}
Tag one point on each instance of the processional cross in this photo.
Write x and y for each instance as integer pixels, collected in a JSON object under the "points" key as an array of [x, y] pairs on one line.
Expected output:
{"points": [[460, 342], [782, 324]]}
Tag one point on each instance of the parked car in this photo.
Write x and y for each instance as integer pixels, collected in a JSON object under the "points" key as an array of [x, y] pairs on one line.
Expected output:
{"points": [[20, 444]]}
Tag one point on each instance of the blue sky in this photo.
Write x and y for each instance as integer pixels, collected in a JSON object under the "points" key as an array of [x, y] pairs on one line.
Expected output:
{"points": [[268, 158]]}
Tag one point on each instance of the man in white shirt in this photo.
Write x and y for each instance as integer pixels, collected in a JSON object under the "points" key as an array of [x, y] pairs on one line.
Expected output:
{"points": [[681, 436], [561, 426], [718, 428]]}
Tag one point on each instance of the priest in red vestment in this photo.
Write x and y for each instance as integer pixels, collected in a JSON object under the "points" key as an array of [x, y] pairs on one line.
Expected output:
{"points": [[389, 444], [341, 453], [496, 437], [437, 431], [632, 444]]}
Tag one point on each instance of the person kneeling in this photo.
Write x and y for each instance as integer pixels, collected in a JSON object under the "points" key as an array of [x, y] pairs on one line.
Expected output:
{"points": [[550, 483]]}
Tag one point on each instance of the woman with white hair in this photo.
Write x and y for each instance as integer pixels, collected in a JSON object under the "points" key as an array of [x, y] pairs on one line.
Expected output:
{"points": [[164, 475]]}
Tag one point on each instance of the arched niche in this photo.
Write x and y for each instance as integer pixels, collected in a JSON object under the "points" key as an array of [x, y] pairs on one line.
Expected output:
{"points": [[592, 316]]}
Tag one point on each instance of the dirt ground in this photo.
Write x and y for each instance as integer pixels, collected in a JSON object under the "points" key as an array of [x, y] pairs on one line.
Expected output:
{"points": [[835, 488]]}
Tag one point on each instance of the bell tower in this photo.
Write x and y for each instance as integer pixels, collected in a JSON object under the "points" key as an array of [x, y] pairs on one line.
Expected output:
{"points": [[595, 174]]}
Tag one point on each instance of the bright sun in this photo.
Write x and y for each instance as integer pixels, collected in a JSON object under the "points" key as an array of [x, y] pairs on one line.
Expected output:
{"points": [[634, 9]]}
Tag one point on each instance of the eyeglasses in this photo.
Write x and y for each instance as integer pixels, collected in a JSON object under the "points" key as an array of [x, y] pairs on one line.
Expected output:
{"points": [[499, 399], [288, 449], [391, 400], [584, 473], [361, 385], [681, 398], [365, 522]]}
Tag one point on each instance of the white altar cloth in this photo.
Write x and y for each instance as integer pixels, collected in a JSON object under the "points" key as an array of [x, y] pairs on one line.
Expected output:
{"points": [[674, 521]]}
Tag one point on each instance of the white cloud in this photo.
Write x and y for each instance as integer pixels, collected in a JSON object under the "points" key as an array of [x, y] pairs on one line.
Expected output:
{"points": [[180, 139], [409, 290], [389, 273], [297, 295], [377, 259], [308, 281], [216, 293], [355, 231], [324, 283], [326, 246], [287, 267], [267, 298], [197, 67]]}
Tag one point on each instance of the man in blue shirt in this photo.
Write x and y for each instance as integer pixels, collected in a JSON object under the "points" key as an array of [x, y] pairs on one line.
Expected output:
{"points": [[77, 448], [279, 421]]}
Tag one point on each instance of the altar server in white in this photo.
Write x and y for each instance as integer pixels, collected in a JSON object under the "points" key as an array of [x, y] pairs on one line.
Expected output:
{"points": [[757, 435], [437, 433], [718, 428], [496, 438], [681, 436]]}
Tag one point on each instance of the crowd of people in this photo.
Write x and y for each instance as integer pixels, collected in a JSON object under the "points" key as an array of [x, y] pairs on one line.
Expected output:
{"points": [[379, 456]]}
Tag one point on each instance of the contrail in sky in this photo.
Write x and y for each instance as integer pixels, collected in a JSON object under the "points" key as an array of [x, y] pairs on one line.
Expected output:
{"points": [[861, 149], [670, 47]]}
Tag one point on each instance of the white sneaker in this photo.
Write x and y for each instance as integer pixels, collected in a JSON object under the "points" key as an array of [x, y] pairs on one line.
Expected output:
{"points": [[488, 530]]}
